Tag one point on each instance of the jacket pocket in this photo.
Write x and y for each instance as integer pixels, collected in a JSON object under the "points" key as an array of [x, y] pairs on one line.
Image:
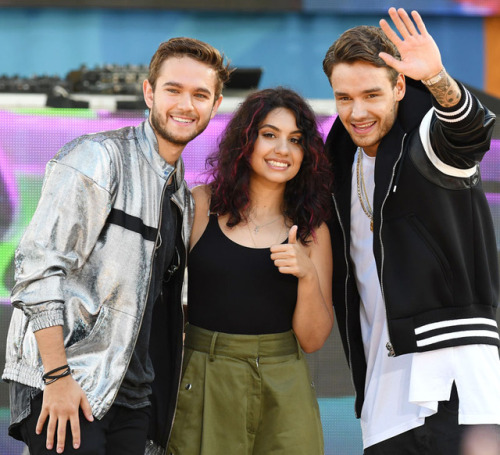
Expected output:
{"points": [[84, 330]]}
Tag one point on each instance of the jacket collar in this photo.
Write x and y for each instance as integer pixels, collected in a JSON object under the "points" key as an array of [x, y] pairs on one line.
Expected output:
{"points": [[341, 149], [149, 148]]}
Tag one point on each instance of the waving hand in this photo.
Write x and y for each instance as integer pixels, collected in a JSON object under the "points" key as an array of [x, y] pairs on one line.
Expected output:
{"points": [[420, 56]]}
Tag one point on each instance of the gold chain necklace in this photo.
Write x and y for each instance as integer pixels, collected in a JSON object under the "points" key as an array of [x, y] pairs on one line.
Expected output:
{"points": [[362, 193]]}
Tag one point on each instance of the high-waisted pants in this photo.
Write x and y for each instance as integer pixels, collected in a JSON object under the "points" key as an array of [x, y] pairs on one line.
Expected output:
{"points": [[245, 395]]}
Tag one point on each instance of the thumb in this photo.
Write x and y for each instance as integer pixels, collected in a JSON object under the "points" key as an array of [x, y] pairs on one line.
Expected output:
{"points": [[292, 235]]}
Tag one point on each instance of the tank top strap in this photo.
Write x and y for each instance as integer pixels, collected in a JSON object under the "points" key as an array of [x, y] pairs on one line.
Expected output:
{"points": [[213, 222]]}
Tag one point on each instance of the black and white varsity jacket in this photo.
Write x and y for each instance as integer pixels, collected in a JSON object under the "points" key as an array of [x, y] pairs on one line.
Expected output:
{"points": [[434, 242]]}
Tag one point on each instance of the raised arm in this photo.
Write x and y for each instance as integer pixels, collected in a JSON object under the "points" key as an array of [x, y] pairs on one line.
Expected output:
{"points": [[420, 56], [312, 265]]}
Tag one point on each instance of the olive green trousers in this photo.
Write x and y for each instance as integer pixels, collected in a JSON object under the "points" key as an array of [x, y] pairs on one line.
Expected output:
{"points": [[245, 395]]}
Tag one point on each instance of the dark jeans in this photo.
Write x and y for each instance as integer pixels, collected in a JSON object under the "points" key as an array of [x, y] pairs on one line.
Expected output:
{"points": [[440, 435], [122, 431]]}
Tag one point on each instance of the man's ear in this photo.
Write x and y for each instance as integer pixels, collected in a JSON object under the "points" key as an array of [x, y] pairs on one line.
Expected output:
{"points": [[400, 87], [147, 89], [216, 106]]}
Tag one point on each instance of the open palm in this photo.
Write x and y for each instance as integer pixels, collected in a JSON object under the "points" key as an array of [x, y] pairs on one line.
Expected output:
{"points": [[420, 56]]}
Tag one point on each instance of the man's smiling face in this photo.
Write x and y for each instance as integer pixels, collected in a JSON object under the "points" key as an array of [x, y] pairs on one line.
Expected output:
{"points": [[182, 101], [366, 101]]}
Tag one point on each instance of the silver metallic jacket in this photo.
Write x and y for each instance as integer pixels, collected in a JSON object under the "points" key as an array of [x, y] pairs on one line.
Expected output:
{"points": [[85, 261]]}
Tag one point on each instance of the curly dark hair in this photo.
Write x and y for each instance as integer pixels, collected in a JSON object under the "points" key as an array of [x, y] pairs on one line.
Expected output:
{"points": [[307, 195]]}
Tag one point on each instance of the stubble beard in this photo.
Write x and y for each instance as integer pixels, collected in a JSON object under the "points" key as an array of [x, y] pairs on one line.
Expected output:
{"points": [[161, 130], [384, 130]]}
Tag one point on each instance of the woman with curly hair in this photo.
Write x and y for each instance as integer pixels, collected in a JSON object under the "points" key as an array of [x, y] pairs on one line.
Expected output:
{"points": [[259, 290]]}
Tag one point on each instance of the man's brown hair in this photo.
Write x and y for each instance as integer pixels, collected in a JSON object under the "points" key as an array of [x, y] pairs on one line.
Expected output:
{"points": [[361, 44], [195, 49]]}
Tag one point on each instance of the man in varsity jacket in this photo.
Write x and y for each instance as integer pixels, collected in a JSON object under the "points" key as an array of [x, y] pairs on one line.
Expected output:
{"points": [[415, 263]]}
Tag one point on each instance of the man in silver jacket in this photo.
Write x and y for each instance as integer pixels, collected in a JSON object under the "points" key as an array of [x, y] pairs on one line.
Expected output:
{"points": [[94, 349]]}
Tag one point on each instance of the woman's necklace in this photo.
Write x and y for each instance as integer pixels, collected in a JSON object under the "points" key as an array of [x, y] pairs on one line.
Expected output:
{"points": [[256, 231], [362, 193], [257, 227]]}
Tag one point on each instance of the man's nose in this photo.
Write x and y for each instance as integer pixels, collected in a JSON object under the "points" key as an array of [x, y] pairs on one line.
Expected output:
{"points": [[185, 102], [358, 109]]}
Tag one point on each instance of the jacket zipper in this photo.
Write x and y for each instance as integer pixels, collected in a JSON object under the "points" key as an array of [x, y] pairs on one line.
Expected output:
{"points": [[390, 346], [345, 302], [179, 379], [149, 281]]}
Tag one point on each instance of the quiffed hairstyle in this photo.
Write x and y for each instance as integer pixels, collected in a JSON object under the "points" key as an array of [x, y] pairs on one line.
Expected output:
{"points": [[307, 195], [362, 43], [195, 49]]}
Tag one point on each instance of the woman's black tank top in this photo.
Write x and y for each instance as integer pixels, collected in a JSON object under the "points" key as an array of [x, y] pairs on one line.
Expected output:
{"points": [[237, 289]]}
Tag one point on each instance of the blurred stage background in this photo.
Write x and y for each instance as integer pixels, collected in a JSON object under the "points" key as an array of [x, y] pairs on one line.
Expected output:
{"points": [[47, 40]]}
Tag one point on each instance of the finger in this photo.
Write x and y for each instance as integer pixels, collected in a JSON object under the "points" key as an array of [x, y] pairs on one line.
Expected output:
{"points": [[280, 262], [281, 266], [283, 254], [51, 429], [278, 251], [396, 19], [420, 23], [292, 235], [390, 33], [407, 21], [75, 431], [61, 435], [41, 421], [86, 409], [287, 270], [276, 255], [391, 61]]}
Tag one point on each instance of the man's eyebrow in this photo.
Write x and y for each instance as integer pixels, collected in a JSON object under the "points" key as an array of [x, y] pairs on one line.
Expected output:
{"points": [[368, 90], [179, 85]]}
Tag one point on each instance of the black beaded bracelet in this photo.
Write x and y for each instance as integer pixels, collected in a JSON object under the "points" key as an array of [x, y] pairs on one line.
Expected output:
{"points": [[50, 377]]}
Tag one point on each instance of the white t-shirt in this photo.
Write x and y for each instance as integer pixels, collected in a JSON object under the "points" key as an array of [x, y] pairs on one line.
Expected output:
{"points": [[401, 391]]}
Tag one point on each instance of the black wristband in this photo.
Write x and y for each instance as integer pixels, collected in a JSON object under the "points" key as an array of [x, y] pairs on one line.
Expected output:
{"points": [[50, 377]]}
